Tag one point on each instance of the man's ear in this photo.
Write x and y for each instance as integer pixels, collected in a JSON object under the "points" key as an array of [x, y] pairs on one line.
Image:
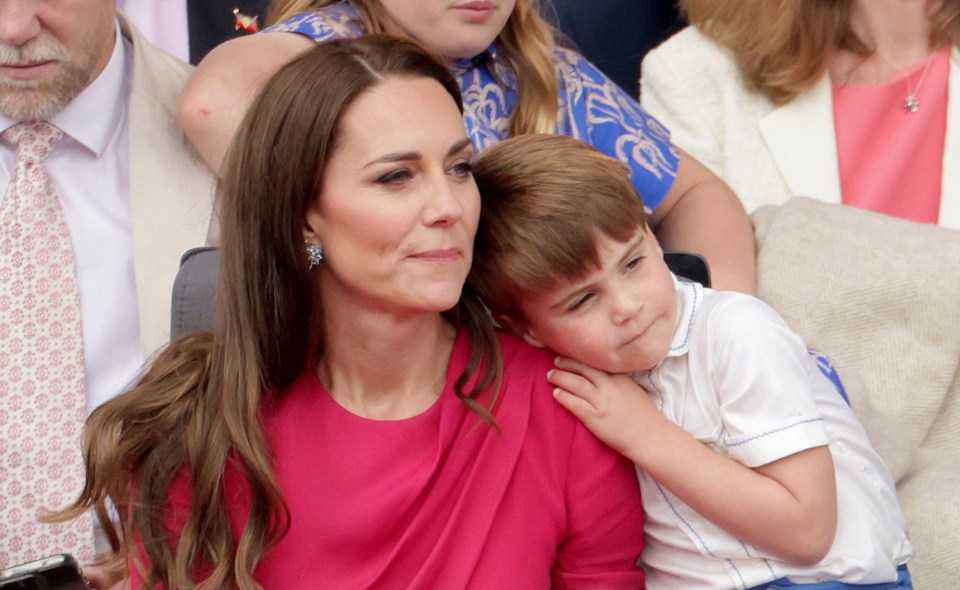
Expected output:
{"points": [[519, 329]]}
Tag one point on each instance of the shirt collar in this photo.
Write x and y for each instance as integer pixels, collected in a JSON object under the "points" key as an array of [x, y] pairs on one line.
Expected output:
{"points": [[689, 297], [83, 118]]}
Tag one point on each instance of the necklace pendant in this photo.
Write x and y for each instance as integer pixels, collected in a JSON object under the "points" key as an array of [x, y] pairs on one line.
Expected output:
{"points": [[911, 104]]}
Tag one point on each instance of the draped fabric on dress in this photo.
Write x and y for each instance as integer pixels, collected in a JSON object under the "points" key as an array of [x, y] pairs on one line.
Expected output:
{"points": [[443, 500]]}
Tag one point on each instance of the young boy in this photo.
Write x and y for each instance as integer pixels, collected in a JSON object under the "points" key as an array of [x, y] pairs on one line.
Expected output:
{"points": [[754, 470]]}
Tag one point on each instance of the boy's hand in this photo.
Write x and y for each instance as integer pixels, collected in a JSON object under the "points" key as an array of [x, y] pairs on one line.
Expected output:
{"points": [[614, 407]]}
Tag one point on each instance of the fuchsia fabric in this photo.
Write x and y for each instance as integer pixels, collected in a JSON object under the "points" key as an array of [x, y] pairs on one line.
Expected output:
{"points": [[442, 500], [891, 161]]}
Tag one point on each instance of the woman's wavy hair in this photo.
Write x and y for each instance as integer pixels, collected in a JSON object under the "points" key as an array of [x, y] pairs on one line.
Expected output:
{"points": [[783, 46], [197, 407], [526, 43]]}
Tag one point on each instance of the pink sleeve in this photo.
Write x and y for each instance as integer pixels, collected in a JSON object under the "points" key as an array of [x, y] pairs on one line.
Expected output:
{"points": [[605, 519]]}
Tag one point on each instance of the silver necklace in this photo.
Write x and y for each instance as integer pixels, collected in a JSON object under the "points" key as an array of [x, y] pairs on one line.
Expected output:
{"points": [[911, 103]]}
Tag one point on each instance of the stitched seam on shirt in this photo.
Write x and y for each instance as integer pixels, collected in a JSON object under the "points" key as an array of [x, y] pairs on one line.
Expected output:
{"points": [[697, 295], [775, 431], [656, 388], [683, 521]]}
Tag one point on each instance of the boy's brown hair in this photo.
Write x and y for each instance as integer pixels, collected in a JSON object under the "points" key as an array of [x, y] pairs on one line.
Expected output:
{"points": [[546, 199]]}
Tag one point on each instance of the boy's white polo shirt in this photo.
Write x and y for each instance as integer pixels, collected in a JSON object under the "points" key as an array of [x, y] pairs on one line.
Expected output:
{"points": [[744, 384]]}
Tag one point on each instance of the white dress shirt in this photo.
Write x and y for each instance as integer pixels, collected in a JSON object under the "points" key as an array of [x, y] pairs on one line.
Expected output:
{"points": [[89, 169]]}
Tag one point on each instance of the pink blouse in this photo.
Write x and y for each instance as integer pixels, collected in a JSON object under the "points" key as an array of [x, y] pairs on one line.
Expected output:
{"points": [[441, 500], [891, 161]]}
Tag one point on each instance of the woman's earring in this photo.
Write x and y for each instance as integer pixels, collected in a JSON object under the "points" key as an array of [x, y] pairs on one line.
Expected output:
{"points": [[314, 254]]}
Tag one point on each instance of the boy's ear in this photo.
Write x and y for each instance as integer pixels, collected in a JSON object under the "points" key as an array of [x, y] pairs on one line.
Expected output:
{"points": [[532, 339], [519, 329]]}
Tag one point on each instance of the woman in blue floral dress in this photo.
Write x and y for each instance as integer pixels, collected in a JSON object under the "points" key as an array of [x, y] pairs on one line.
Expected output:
{"points": [[514, 80]]}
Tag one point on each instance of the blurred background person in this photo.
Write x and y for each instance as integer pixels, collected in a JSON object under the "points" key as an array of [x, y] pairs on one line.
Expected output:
{"points": [[854, 102], [101, 194]]}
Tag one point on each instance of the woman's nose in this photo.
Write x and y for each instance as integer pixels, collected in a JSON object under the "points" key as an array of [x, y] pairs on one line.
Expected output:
{"points": [[445, 205]]}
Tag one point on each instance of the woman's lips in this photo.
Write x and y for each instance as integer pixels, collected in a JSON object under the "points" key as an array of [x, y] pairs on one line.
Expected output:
{"points": [[440, 256], [477, 11]]}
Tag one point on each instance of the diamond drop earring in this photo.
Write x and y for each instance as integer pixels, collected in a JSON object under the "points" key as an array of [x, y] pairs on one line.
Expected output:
{"points": [[314, 254]]}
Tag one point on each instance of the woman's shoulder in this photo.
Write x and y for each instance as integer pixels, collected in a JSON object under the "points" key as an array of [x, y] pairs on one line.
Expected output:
{"points": [[521, 357], [336, 21], [692, 52], [525, 369], [578, 73]]}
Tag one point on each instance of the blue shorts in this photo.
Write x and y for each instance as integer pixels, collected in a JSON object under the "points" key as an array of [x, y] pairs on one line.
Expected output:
{"points": [[902, 583]]}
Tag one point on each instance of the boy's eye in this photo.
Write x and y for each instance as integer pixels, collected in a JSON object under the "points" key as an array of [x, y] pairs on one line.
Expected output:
{"points": [[633, 263], [395, 176], [580, 302]]}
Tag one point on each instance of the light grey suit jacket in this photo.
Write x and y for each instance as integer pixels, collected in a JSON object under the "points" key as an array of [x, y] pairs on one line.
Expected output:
{"points": [[766, 153], [172, 191]]}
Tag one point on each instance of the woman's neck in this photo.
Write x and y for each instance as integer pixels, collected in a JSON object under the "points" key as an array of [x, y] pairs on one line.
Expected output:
{"points": [[897, 31], [384, 368]]}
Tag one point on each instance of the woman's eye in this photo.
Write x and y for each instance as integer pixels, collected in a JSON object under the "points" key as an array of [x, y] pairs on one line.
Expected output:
{"points": [[580, 301], [395, 177], [462, 169]]}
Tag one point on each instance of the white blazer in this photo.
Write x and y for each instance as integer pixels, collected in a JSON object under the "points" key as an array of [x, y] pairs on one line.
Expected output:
{"points": [[767, 154]]}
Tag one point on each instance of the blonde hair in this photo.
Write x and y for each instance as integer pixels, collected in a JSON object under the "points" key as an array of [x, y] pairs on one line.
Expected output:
{"points": [[783, 46], [526, 43], [546, 200], [198, 406]]}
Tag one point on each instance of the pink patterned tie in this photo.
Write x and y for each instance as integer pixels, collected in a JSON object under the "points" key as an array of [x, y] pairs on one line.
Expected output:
{"points": [[42, 392]]}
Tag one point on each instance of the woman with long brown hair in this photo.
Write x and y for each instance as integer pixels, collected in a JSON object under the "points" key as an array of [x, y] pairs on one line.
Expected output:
{"points": [[845, 101], [514, 80], [354, 420]]}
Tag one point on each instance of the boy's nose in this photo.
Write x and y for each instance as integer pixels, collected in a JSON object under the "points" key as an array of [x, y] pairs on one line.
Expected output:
{"points": [[626, 306]]}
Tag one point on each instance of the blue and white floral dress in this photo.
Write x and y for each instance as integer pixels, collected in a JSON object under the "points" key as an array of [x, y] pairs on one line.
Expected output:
{"points": [[592, 107]]}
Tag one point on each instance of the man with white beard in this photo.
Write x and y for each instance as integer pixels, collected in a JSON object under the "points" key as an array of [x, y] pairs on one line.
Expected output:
{"points": [[99, 197]]}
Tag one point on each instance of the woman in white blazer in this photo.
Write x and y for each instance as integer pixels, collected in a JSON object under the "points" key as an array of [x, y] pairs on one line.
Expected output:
{"points": [[759, 91]]}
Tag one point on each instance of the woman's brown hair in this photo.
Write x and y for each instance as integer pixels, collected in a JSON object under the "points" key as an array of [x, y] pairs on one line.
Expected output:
{"points": [[526, 43], [782, 46], [197, 408]]}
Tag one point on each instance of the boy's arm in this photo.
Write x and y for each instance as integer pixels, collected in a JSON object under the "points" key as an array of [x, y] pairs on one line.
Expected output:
{"points": [[786, 508]]}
